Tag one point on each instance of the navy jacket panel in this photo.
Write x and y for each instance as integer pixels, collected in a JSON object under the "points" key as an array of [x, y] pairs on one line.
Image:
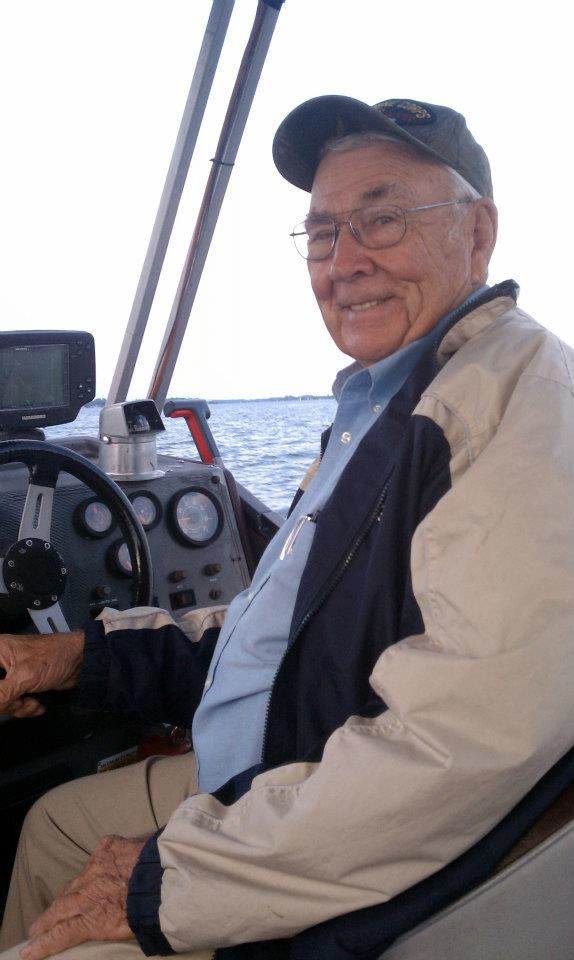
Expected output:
{"points": [[362, 548]]}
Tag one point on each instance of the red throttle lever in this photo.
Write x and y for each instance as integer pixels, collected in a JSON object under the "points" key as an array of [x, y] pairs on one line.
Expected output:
{"points": [[196, 413]]}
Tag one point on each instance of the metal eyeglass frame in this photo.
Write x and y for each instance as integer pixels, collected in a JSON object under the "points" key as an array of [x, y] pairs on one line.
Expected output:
{"points": [[354, 232]]}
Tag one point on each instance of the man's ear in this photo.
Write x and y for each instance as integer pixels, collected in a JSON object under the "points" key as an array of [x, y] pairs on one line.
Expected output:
{"points": [[484, 238]]}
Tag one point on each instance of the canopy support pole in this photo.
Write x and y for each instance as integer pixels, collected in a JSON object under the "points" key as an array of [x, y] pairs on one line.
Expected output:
{"points": [[206, 66], [233, 126]]}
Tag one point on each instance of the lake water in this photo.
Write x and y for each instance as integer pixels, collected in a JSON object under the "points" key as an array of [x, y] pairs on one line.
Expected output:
{"points": [[267, 444]]}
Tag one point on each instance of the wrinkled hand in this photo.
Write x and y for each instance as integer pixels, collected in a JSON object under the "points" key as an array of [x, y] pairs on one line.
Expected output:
{"points": [[91, 907], [36, 663]]}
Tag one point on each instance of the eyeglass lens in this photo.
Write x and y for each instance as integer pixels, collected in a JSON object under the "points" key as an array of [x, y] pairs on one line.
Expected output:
{"points": [[374, 227]]}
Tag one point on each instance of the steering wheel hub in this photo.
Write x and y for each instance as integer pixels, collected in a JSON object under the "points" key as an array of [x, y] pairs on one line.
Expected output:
{"points": [[34, 573]]}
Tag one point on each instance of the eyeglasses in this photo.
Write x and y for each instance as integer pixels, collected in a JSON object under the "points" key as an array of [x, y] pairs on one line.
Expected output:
{"points": [[373, 227]]}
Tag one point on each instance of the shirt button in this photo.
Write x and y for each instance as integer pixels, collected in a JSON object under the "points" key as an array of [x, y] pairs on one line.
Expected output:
{"points": [[346, 437], [377, 408], [207, 683]]}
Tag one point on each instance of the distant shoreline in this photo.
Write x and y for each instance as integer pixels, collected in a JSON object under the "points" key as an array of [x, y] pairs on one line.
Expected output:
{"points": [[99, 402]]}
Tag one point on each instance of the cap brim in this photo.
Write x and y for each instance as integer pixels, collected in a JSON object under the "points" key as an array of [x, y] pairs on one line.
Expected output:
{"points": [[300, 139]]}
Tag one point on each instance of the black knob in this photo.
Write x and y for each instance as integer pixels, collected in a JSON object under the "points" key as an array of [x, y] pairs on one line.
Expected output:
{"points": [[101, 592], [176, 576]]}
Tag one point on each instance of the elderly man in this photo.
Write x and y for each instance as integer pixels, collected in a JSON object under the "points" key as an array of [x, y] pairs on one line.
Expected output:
{"points": [[397, 676]]}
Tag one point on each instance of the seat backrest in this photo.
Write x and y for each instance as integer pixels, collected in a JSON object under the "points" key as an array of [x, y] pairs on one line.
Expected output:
{"points": [[524, 912]]}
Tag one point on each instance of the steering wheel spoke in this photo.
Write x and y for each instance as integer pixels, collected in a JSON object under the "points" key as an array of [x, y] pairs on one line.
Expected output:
{"points": [[50, 620], [37, 514]]}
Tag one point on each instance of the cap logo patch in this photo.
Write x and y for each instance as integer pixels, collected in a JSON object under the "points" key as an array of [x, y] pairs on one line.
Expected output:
{"points": [[405, 112]]}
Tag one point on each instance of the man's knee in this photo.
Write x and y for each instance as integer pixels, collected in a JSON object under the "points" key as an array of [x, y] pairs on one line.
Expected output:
{"points": [[57, 813], [43, 814]]}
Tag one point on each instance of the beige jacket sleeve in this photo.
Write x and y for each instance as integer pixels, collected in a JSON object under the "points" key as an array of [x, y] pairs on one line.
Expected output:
{"points": [[480, 705]]}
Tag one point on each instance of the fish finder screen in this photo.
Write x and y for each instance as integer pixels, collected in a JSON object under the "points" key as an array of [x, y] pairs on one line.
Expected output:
{"points": [[34, 376]]}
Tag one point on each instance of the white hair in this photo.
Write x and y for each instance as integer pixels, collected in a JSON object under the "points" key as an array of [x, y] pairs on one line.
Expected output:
{"points": [[352, 141]]}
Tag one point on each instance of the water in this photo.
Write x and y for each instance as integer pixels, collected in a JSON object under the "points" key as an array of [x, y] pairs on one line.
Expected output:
{"points": [[267, 444]]}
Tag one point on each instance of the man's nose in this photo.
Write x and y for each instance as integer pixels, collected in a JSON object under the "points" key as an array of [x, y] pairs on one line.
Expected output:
{"points": [[349, 257]]}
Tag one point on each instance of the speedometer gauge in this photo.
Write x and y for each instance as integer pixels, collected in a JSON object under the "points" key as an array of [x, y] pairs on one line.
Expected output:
{"points": [[93, 518], [147, 508], [119, 559], [196, 517]]}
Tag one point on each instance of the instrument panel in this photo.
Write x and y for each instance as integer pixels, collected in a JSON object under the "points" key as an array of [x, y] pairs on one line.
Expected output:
{"points": [[187, 515]]}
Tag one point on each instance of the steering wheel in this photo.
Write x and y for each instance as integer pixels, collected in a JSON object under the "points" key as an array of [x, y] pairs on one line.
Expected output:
{"points": [[32, 571]]}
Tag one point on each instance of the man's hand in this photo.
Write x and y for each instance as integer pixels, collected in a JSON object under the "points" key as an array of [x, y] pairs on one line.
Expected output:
{"points": [[91, 907], [36, 663]]}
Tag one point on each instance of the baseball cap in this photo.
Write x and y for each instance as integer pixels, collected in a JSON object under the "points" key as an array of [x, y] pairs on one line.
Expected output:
{"points": [[439, 132]]}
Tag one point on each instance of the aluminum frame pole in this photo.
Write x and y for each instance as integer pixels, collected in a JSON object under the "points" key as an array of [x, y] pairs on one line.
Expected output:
{"points": [[200, 89], [233, 127]]}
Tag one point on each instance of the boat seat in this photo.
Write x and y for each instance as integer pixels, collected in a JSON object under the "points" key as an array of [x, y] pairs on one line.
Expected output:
{"points": [[524, 912]]}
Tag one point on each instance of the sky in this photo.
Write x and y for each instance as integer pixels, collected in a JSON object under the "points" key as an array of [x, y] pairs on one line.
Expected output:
{"points": [[92, 97]]}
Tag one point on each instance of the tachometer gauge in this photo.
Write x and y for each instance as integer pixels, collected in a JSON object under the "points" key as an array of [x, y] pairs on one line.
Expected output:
{"points": [[147, 508], [196, 517], [94, 518], [119, 559]]}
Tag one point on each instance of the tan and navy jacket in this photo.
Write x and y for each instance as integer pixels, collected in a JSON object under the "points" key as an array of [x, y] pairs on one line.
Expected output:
{"points": [[428, 684]]}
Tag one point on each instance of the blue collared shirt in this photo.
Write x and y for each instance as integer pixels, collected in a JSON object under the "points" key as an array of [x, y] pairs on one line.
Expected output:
{"points": [[229, 723]]}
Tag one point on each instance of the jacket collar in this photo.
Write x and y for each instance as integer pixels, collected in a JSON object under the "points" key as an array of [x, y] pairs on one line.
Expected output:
{"points": [[474, 316]]}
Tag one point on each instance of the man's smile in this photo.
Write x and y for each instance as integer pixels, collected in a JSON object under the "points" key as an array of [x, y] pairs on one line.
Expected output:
{"points": [[365, 304]]}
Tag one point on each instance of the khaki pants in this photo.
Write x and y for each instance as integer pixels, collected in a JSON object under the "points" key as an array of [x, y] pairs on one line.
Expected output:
{"points": [[62, 829]]}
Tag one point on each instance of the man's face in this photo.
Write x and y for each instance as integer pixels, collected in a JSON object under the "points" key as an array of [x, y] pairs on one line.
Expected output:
{"points": [[375, 301]]}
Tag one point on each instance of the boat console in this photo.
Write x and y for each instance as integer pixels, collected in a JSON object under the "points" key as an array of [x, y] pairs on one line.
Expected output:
{"points": [[55, 510]]}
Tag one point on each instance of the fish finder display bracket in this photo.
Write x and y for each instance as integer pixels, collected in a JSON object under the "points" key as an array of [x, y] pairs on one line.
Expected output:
{"points": [[46, 376]]}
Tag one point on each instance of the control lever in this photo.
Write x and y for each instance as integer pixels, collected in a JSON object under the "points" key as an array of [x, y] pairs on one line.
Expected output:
{"points": [[196, 413]]}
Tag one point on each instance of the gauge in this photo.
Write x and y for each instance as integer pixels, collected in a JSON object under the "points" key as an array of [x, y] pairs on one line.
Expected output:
{"points": [[196, 517], [147, 508], [94, 518], [119, 558]]}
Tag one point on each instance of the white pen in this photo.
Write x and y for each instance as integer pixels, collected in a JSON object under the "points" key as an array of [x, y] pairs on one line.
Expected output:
{"points": [[290, 541]]}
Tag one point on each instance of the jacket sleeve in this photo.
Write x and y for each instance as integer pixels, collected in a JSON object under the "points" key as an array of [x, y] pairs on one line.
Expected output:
{"points": [[139, 661], [480, 705]]}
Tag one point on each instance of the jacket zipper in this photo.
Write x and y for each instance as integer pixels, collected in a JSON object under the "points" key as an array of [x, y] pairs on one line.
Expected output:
{"points": [[374, 517]]}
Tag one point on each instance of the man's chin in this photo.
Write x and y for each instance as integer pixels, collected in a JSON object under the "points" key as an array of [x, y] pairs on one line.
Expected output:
{"points": [[368, 343], [368, 354]]}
